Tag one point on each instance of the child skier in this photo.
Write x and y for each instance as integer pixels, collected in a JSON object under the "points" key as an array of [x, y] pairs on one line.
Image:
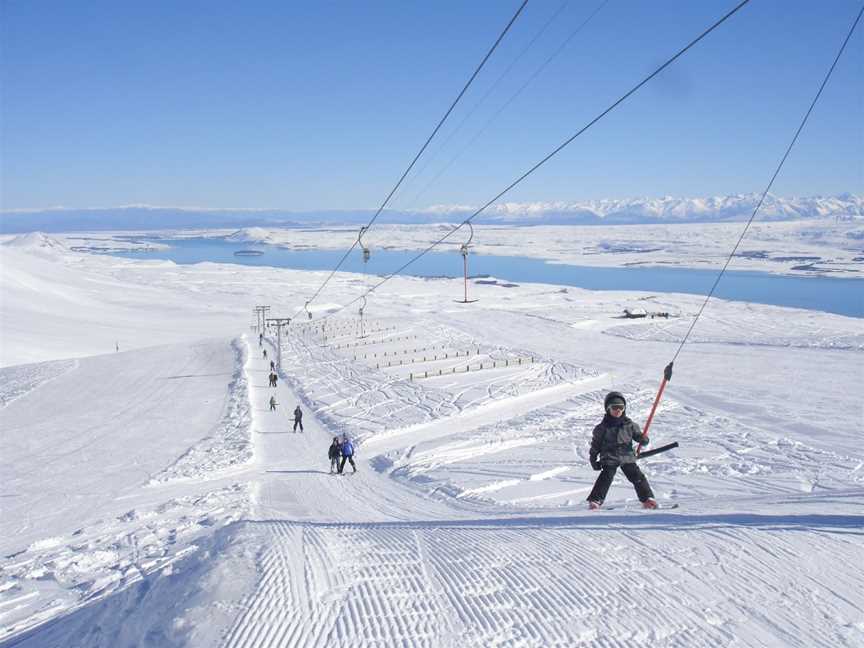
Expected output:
{"points": [[612, 447], [347, 454], [272, 403], [334, 452]]}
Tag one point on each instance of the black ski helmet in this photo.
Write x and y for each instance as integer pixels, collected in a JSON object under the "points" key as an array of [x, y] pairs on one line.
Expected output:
{"points": [[614, 398]]}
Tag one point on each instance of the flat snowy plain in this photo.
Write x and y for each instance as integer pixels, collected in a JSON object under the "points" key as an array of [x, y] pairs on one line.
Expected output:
{"points": [[150, 498], [806, 247]]}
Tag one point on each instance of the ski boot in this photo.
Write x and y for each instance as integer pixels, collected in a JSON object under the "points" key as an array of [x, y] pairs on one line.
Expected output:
{"points": [[594, 505], [649, 504]]}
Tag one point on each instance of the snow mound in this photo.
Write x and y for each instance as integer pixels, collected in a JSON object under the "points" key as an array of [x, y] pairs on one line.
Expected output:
{"points": [[138, 606], [36, 241], [250, 235]]}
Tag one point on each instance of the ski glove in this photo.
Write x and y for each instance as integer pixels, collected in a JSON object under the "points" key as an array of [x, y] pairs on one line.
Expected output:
{"points": [[596, 465]]}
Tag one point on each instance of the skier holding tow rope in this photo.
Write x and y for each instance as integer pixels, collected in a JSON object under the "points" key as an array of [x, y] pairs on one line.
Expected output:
{"points": [[612, 447]]}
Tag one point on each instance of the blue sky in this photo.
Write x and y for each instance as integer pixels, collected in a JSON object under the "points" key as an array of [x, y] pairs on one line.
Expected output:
{"points": [[322, 105]]}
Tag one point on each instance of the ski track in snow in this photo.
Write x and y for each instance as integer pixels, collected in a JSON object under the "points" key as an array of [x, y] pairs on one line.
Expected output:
{"points": [[725, 328], [530, 583]]}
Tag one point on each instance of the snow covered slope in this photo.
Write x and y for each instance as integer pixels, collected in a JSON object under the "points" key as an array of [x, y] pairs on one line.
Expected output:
{"points": [[151, 498]]}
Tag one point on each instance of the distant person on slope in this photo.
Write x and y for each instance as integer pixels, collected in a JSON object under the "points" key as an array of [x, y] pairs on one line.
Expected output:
{"points": [[298, 418], [265, 354], [272, 366], [612, 447], [347, 454], [260, 339], [333, 453], [272, 403]]}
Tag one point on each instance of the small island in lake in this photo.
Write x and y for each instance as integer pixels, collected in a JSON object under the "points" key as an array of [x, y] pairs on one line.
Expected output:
{"points": [[248, 253]]}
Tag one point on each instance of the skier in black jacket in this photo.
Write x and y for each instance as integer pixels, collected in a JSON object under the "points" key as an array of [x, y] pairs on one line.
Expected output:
{"points": [[612, 447], [334, 452]]}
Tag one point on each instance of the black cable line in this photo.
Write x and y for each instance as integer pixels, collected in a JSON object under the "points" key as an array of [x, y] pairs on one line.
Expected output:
{"points": [[509, 101], [431, 157], [773, 178], [557, 150], [423, 148]]}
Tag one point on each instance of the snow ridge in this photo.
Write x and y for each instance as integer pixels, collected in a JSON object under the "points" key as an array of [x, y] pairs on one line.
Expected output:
{"points": [[22, 379], [230, 444]]}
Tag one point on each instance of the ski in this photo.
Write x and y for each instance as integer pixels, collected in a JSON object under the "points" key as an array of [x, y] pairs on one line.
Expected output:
{"points": [[660, 507]]}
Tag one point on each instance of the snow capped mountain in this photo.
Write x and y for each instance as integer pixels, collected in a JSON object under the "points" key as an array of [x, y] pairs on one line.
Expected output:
{"points": [[666, 209]]}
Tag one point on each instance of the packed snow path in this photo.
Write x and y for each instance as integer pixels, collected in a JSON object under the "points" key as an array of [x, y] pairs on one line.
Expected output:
{"points": [[357, 561]]}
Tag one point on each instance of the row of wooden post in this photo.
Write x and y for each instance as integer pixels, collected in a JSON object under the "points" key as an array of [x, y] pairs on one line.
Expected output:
{"points": [[441, 372]]}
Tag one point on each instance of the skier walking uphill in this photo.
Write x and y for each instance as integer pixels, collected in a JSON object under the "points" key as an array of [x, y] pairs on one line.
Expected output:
{"points": [[272, 403], [333, 453], [265, 353], [298, 418], [612, 447], [347, 454]]}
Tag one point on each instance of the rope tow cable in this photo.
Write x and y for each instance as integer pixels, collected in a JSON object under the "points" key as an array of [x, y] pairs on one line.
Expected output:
{"points": [[423, 148], [557, 150], [667, 372]]}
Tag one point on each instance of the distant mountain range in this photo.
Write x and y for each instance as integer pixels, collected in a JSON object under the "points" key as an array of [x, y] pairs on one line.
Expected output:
{"points": [[845, 207]]}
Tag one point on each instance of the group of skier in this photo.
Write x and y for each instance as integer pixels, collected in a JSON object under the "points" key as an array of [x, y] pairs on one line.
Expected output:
{"points": [[340, 451]]}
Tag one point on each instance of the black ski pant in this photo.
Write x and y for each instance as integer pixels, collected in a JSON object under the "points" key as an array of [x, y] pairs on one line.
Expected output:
{"points": [[631, 471], [296, 423], [349, 459], [272, 407]]}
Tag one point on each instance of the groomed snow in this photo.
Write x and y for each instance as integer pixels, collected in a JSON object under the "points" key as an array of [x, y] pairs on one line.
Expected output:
{"points": [[150, 498]]}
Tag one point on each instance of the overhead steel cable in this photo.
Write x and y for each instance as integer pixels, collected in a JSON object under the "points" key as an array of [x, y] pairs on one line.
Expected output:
{"points": [[557, 150], [509, 101], [667, 371], [771, 182], [425, 145], [431, 157]]}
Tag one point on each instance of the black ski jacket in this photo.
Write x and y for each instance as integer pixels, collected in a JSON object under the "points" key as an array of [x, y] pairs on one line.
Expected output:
{"points": [[335, 451], [612, 441]]}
